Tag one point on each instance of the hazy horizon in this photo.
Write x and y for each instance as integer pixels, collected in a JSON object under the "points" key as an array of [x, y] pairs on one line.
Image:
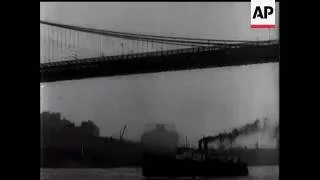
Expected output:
{"points": [[199, 102]]}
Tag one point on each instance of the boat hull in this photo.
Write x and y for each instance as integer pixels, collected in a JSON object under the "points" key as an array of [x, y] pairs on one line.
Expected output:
{"points": [[162, 166]]}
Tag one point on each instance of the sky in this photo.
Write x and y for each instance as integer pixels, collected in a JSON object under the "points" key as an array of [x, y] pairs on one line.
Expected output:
{"points": [[218, 20], [197, 102]]}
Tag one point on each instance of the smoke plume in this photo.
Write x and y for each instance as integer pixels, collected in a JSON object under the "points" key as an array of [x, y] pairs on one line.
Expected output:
{"points": [[256, 127]]}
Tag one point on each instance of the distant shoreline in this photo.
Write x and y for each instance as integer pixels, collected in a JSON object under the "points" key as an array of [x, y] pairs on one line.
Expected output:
{"points": [[263, 157], [252, 166]]}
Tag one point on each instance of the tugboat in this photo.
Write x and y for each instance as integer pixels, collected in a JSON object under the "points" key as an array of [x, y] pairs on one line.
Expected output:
{"points": [[188, 162]]}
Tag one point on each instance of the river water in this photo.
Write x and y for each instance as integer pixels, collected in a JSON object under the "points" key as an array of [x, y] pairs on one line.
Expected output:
{"points": [[255, 173]]}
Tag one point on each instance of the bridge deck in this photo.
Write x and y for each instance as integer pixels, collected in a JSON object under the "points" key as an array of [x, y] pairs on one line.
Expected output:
{"points": [[191, 58]]}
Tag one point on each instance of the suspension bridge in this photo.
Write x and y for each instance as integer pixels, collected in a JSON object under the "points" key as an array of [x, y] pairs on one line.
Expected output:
{"points": [[73, 52]]}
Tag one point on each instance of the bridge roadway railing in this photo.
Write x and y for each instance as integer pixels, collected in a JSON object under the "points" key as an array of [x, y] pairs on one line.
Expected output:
{"points": [[50, 65]]}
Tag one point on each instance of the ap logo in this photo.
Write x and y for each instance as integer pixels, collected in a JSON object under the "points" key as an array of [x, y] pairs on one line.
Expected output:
{"points": [[263, 14]]}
